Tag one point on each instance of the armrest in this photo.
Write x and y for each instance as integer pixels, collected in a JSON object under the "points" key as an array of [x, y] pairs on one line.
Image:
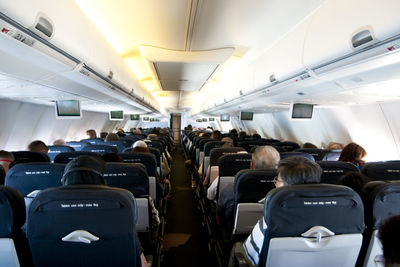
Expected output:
{"points": [[240, 260]]}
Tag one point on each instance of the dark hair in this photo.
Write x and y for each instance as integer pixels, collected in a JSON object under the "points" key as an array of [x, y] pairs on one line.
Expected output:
{"points": [[37, 146], [111, 157], [103, 135], [256, 135], [389, 234], [309, 145], [242, 134], [91, 133], [233, 131], [354, 180], [84, 170], [216, 135], [112, 137], [299, 170], [353, 153]]}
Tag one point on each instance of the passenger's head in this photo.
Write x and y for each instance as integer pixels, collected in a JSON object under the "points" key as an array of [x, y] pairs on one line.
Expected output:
{"points": [[111, 157], [103, 135], [228, 141], [242, 134], [140, 143], [112, 137], [5, 159], [233, 131], [152, 137], [137, 131], [38, 146], [389, 234], [84, 170], [216, 135], [334, 145], [141, 149], [309, 145], [353, 153], [59, 142], [297, 170], [265, 157], [354, 180], [91, 134], [256, 135]]}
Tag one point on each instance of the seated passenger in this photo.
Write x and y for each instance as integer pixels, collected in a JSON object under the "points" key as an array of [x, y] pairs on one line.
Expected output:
{"points": [[309, 145], [91, 134], [38, 146], [59, 142], [291, 171], [140, 146], [256, 135], [389, 235], [5, 160], [353, 153], [334, 145], [263, 157], [112, 137], [354, 180], [103, 135]]}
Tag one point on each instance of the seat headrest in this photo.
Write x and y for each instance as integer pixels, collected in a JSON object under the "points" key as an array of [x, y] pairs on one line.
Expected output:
{"points": [[84, 170], [381, 200], [218, 152], [98, 148], [297, 154], [317, 153], [66, 157], [147, 159], [211, 145], [333, 170], [12, 210], [292, 210], [230, 164], [388, 170]]}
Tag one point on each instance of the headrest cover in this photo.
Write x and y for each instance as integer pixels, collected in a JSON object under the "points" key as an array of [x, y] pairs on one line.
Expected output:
{"points": [[84, 170], [388, 170], [292, 210]]}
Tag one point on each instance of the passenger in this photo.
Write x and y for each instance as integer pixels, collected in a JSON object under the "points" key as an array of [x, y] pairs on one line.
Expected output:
{"points": [[103, 135], [59, 142], [256, 135], [263, 157], [309, 145], [112, 157], [112, 137], [353, 153], [137, 131], [334, 146], [140, 146], [216, 135], [242, 134], [38, 146], [5, 160], [354, 180], [121, 132], [91, 134], [292, 171], [89, 170], [389, 235]]}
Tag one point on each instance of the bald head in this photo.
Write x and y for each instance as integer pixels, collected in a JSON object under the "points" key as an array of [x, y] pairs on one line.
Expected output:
{"points": [[265, 157]]}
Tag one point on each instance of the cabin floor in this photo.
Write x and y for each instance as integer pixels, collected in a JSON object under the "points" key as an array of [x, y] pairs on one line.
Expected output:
{"points": [[185, 241]]}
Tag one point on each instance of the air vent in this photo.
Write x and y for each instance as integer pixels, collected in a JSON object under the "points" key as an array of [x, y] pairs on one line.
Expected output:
{"points": [[361, 38], [44, 26]]}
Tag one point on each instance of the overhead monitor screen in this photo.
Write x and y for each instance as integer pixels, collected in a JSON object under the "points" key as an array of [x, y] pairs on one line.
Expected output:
{"points": [[135, 117], [204, 119], [146, 118], [225, 117], [246, 116], [68, 109], [152, 119], [199, 120], [116, 115], [211, 119], [302, 111]]}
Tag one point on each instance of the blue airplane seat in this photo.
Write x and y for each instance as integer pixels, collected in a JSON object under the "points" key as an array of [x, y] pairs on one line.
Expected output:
{"points": [[55, 150], [381, 201], [147, 159], [217, 153], [120, 145], [66, 157], [306, 225], [102, 149], [249, 145], [77, 146], [385, 170], [93, 141], [156, 152], [287, 145], [297, 154], [29, 156], [317, 153], [83, 225], [333, 170]]}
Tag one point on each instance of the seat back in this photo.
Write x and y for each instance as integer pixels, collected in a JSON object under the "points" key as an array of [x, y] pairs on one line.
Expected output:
{"points": [[120, 145], [387, 170], [296, 154], [77, 146], [66, 157], [207, 149], [229, 166], [12, 210], [333, 170], [248, 145], [93, 141], [311, 224], [287, 145], [102, 149], [332, 155], [250, 186], [55, 150], [317, 153], [217, 153], [87, 225], [381, 200], [29, 156], [132, 177]]}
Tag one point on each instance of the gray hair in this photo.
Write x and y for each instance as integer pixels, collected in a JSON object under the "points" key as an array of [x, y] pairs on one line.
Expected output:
{"points": [[265, 157], [299, 170]]}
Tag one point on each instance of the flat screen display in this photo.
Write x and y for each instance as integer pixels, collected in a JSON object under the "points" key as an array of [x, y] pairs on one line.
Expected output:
{"points": [[68, 109], [246, 116], [199, 120], [204, 119], [225, 117], [211, 119], [146, 118], [152, 119], [135, 117], [302, 111], [116, 115]]}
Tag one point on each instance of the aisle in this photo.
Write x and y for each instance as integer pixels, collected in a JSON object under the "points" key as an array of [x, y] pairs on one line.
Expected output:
{"points": [[185, 242]]}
